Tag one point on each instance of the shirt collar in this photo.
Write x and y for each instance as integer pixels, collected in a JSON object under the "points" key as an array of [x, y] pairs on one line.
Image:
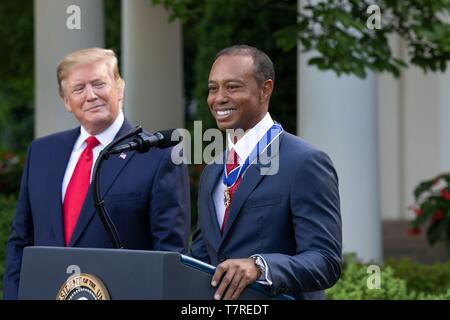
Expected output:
{"points": [[247, 143], [105, 137]]}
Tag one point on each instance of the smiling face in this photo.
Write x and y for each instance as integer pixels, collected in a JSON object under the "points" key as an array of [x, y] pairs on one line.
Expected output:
{"points": [[235, 98], [93, 95]]}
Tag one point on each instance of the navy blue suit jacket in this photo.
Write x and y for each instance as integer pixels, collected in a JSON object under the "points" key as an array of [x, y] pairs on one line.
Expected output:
{"points": [[146, 195], [292, 219]]}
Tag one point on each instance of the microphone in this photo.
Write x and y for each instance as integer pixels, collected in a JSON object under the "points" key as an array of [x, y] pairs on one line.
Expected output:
{"points": [[143, 142]]}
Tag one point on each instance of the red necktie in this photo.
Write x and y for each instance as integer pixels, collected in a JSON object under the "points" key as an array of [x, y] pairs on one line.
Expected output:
{"points": [[232, 163], [77, 188]]}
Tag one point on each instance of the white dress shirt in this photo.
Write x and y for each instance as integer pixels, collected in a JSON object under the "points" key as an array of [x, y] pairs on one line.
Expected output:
{"points": [[105, 138], [243, 148]]}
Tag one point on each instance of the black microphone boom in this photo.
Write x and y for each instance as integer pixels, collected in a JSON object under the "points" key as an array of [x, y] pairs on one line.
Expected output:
{"points": [[143, 142]]}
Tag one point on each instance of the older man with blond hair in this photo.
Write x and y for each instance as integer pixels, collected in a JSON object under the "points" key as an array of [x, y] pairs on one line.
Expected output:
{"points": [[146, 195]]}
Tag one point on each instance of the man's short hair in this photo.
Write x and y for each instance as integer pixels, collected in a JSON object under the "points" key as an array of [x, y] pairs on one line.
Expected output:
{"points": [[84, 56], [264, 69]]}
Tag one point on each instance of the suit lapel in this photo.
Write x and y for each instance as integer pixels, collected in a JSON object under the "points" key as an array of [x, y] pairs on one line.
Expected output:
{"points": [[249, 182], [212, 179], [57, 168], [110, 171]]}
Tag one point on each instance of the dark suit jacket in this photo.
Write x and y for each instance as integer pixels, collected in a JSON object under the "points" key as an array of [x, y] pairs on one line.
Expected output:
{"points": [[291, 218], [146, 195]]}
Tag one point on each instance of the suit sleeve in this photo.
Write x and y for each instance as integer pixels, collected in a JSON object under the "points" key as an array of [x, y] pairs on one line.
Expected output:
{"points": [[21, 236], [318, 230], [170, 217]]}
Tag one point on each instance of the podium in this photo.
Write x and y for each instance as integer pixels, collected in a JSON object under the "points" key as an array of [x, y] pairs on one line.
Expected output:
{"points": [[49, 273]]}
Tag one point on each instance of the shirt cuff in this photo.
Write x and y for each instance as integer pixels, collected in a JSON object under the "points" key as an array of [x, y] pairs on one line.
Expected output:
{"points": [[265, 278]]}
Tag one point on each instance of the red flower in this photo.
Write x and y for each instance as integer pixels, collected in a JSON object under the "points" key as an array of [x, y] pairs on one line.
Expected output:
{"points": [[8, 155], [445, 194], [414, 231], [437, 215], [418, 211]]}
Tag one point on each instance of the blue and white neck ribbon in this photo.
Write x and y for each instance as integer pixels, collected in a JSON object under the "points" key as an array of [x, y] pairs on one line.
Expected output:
{"points": [[266, 140]]}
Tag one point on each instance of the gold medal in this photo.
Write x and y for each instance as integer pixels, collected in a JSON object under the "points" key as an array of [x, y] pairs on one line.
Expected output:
{"points": [[226, 198]]}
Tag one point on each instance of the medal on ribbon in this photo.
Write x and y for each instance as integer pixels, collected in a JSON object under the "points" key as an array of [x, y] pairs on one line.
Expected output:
{"points": [[230, 179], [226, 198]]}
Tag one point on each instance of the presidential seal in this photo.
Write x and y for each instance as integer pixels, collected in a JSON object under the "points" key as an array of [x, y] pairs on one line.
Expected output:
{"points": [[83, 286]]}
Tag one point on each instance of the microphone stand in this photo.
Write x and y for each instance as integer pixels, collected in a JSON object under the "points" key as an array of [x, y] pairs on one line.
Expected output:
{"points": [[100, 203]]}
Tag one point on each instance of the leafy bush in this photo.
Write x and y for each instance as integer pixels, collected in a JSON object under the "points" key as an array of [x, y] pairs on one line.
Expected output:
{"points": [[353, 284], [11, 166], [7, 209], [16, 69], [429, 296], [430, 279], [400, 280]]}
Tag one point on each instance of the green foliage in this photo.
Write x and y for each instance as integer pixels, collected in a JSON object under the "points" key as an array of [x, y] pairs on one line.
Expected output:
{"points": [[430, 296], [11, 166], [7, 210], [183, 10], [429, 279], [400, 280], [16, 68], [353, 284], [337, 30], [113, 26]]}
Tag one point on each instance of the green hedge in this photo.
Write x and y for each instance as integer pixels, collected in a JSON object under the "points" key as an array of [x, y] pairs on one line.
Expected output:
{"points": [[433, 279], [7, 210], [16, 70], [400, 280]]}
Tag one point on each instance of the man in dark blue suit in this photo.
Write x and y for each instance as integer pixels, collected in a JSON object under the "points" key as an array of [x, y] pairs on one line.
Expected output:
{"points": [[278, 224], [146, 195]]}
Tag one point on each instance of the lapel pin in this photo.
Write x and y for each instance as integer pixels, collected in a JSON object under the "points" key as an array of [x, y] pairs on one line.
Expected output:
{"points": [[122, 155]]}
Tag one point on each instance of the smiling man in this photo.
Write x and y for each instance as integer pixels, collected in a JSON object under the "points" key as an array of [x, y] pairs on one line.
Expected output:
{"points": [[237, 98], [146, 195], [282, 229]]}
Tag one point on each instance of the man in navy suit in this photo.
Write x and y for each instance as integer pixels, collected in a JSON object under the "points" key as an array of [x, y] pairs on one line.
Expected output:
{"points": [[278, 225], [146, 195]]}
